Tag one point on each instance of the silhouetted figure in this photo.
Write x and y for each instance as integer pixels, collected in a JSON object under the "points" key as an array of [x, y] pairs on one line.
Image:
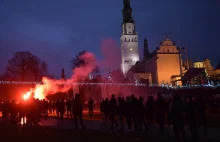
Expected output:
{"points": [[62, 109], [191, 117], [78, 111], [160, 106], [90, 103], [58, 108], [30, 111], [141, 114], [5, 109], [134, 112], [102, 108], [177, 116], [149, 109], [121, 112], [50, 106], [68, 107], [45, 106], [128, 113], [38, 110], [214, 105], [22, 110], [13, 112], [106, 109], [54, 107], [167, 109], [112, 111], [201, 111]]}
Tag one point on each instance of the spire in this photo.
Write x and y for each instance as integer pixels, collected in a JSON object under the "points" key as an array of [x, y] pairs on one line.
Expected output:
{"points": [[218, 66], [63, 74], [146, 49], [127, 12], [166, 36]]}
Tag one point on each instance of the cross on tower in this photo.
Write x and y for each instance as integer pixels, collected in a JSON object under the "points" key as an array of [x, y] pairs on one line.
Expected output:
{"points": [[166, 36]]}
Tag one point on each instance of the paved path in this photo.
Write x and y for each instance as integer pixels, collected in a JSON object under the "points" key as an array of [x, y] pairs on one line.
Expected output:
{"points": [[104, 126]]}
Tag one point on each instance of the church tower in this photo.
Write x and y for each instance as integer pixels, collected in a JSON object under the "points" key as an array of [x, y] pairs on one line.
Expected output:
{"points": [[146, 49], [129, 39], [62, 74]]}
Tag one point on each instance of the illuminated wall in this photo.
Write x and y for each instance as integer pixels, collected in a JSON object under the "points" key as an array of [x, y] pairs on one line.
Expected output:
{"points": [[167, 65], [151, 67], [198, 64], [146, 76], [129, 47], [168, 62]]}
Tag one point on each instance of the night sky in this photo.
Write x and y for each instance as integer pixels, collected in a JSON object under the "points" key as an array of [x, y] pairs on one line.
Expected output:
{"points": [[56, 30]]}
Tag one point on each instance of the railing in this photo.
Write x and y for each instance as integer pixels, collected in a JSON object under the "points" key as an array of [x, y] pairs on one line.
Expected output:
{"points": [[74, 83], [111, 84]]}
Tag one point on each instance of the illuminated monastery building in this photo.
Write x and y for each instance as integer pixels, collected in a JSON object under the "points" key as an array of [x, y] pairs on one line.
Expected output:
{"points": [[165, 65]]}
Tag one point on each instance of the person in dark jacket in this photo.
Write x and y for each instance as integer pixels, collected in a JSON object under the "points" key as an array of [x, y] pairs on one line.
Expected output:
{"points": [[112, 111], [160, 108], [177, 110], [62, 109], [191, 117], [68, 107], [91, 104], [128, 114], [120, 112], [102, 108], [149, 105], [141, 114], [78, 111], [201, 107]]}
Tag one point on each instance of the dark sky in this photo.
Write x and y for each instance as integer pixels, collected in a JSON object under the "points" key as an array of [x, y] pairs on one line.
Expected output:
{"points": [[55, 30]]}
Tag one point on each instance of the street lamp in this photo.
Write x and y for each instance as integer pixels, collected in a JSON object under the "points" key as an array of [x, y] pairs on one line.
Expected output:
{"points": [[187, 59], [179, 49]]}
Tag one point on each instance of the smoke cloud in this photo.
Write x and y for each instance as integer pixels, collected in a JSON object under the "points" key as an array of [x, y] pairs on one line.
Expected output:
{"points": [[111, 55], [52, 86]]}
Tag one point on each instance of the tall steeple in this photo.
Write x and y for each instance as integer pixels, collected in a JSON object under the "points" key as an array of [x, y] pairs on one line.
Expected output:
{"points": [[129, 39], [146, 49], [62, 74], [127, 12]]}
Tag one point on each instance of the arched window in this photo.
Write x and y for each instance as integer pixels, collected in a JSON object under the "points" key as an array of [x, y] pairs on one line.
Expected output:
{"points": [[168, 50]]}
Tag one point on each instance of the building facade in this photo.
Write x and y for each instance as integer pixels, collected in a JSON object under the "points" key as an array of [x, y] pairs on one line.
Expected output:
{"points": [[165, 64], [129, 40]]}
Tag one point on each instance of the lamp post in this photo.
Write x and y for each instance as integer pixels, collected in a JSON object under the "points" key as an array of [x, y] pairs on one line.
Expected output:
{"points": [[187, 59], [180, 60]]}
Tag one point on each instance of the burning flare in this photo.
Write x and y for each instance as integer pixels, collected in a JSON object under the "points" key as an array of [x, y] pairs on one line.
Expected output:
{"points": [[27, 95], [52, 86]]}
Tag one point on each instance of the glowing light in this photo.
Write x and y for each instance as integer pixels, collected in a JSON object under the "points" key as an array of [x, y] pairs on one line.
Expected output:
{"points": [[131, 49], [90, 76], [39, 92], [27, 95], [23, 120]]}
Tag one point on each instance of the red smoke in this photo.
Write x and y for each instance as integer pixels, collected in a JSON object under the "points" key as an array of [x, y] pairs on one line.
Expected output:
{"points": [[111, 53], [79, 74]]}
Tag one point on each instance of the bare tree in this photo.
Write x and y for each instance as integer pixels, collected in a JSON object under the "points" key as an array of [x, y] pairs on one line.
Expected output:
{"points": [[77, 62], [25, 66]]}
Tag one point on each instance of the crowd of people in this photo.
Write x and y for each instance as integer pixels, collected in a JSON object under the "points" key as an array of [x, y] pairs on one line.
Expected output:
{"points": [[135, 111]]}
